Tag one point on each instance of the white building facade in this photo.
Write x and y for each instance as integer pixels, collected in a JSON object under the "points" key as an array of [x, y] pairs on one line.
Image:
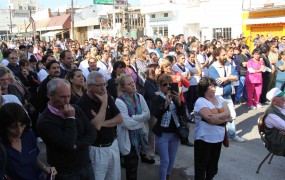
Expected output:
{"points": [[205, 19]]}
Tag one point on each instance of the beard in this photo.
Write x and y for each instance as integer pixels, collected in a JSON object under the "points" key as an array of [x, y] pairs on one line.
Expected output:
{"points": [[223, 61]]}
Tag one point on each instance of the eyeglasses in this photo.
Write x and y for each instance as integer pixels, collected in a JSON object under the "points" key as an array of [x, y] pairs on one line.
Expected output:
{"points": [[2, 80], [100, 85], [165, 84]]}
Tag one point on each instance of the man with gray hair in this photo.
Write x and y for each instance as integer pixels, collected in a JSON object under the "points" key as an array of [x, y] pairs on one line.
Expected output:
{"points": [[104, 152], [67, 133]]}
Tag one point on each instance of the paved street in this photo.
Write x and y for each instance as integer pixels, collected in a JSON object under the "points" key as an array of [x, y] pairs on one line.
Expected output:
{"points": [[239, 161]]}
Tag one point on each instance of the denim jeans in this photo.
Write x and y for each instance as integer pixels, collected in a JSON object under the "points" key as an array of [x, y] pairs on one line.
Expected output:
{"points": [[241, 91], [166, 146], [231, 125]]}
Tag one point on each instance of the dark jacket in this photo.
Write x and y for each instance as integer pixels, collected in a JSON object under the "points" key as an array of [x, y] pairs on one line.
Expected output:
{"points": [[275, 140], [150, 87], [159, 110], [60, 135]]}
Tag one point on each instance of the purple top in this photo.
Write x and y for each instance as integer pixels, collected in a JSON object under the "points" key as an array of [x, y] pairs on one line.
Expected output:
{"points": [[130, 71]]}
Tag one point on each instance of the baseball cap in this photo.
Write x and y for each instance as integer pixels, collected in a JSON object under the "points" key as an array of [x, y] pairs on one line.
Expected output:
{"points": [[274, 92]]}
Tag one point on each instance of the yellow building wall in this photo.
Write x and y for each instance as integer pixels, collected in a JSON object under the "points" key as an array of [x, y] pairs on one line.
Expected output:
{"points": [[276, 29]]}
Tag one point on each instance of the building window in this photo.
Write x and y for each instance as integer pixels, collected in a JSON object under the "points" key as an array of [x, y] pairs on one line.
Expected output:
{"points": [[160, 31], [226, 33], [97, 27], [165, 15], [20, 7], [153, 16]]}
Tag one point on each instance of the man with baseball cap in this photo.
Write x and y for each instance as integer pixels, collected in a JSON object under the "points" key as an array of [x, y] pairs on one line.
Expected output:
{"points": [[274, 119]]}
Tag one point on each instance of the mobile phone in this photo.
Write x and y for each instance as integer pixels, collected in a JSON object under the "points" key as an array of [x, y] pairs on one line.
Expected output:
{"points": [[174, 87]]}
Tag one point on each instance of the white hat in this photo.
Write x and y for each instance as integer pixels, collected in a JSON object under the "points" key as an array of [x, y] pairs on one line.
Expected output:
{"points": [[273, 93]]}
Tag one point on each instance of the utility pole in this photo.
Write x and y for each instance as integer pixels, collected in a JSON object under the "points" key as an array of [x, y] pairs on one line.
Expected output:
{"points": [[127, 14], [11, 28], [72, 22], [114, 20]]}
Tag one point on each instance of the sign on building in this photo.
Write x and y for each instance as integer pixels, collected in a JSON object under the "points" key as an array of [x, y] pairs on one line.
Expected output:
{"points": [[20, 13], [103, 2]]}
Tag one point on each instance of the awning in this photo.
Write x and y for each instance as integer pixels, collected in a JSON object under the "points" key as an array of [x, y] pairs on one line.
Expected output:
{"points": [[87, 22], [41, 25], [270, 20], [50, 34], [59, 22]]}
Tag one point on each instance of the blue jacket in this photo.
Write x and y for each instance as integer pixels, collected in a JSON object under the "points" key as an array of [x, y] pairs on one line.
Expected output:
{"points": [[217, 71]]}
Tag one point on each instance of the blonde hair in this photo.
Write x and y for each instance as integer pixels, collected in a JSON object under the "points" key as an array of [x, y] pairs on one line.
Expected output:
{"points": [[163, 63], [96, 60], [120, 81], [9, 72]]}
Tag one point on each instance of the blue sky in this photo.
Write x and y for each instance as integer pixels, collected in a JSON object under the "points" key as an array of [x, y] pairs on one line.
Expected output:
{"points": [[57, 3]]}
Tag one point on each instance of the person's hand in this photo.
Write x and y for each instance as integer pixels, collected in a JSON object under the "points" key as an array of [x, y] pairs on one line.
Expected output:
{"points": [[168, 100], [93, 113], [179, 78], [175, 95], [244, 64], [68, 111], [213, 118], [273, 69], [50, 170], [102, 98], [221, 80]]}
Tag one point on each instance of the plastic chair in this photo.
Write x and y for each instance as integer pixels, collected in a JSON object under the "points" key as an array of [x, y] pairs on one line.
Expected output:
{"points": [[262, 136]]}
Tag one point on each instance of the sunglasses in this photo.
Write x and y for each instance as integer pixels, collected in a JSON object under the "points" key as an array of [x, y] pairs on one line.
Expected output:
{"points": [[165, 84]]}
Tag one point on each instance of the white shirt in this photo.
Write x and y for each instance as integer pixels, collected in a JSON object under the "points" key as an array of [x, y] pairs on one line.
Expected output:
{"points": [[4, 62], [104, 67], [83, 64], [203, 130], [86, 71], [42, 74], [194, 79], [9, 98], [202, 59]]}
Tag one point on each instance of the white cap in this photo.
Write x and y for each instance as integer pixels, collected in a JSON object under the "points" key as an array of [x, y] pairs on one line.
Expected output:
{"points": [[274, 92]]}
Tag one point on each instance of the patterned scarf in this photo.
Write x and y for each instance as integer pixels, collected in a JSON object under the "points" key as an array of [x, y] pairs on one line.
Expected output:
{"points": [[137, 137], [167, 115], [133, 109]]}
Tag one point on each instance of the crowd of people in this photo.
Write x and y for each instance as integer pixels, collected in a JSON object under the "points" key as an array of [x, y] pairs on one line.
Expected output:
{"points": [[109, 102]]}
